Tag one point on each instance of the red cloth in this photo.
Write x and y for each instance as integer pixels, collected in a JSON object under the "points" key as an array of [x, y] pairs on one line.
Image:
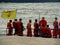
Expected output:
{"points": [[43, 30], [59, 31], [42, 22], [55, 23], [15, 24], [29, 30], [10, 29], [48, 31], [55, 32], [35, 30], [20, 29]]}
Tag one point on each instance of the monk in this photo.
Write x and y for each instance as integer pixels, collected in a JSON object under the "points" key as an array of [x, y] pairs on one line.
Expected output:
{"points": [[15, 26], [10, 28], [36, 28], [29, 29], [55, 31], [20, 27], [43, 21], [48, 32]]}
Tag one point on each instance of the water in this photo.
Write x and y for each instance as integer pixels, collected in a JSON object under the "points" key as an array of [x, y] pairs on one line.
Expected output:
{"points": [[32, 11]]}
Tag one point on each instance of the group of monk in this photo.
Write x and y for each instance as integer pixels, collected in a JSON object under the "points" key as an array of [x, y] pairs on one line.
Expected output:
{"points": [[40, 29], [17, 25]]}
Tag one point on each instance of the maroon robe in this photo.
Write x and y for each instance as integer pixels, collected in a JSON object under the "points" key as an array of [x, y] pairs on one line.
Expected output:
{"points": [[29, 30], [15, 26], [20, 29], [55, 31], [10, 29], [35, 29]]}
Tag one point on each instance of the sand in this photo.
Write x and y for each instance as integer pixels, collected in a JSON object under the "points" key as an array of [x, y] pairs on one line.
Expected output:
{"points": [[18, 40]]}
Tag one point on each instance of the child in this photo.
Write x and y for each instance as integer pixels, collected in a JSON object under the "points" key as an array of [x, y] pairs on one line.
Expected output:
{"points": [[20, 27], [55, 31], [29, 29], [36, 28], [48, 32], [10, 28]]}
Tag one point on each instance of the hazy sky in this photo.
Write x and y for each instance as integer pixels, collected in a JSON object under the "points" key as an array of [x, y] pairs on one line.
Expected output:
{"points": [[29, 0]]}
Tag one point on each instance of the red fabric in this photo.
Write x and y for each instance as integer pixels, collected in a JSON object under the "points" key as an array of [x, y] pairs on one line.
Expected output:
{"points": [[19, 25], [59, 29], [15, 24], [55, 23], [35, 30], [49, 31], [43, 30], [59, 32], [42, 22], [29, 30], [20, 31], [9, 26], [55, 32]]}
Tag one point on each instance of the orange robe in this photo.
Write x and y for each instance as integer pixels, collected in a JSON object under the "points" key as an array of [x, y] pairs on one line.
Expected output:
{"points": [[35, 29], [20, 29], [55, 31], [10, 29], [29, 30]]}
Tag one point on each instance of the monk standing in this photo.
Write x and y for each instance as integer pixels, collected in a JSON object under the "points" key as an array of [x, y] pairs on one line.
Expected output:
{"points": [[29, 29], [55, 31], [15, 26], [10, 28], [20, 27], [36, 28]]}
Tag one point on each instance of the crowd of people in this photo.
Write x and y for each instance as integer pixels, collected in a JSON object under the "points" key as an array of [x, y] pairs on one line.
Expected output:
{"points": [[40, 29]]}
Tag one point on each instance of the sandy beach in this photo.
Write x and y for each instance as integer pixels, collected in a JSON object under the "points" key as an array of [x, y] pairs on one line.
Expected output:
{"points": [[18, 40]]}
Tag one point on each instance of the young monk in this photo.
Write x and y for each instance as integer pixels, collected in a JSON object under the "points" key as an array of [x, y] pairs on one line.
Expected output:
{"points": [[20, 27], [55, 31], [29, 29], [48, 32], [10, 28], [36, 28], [15, 26]]}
